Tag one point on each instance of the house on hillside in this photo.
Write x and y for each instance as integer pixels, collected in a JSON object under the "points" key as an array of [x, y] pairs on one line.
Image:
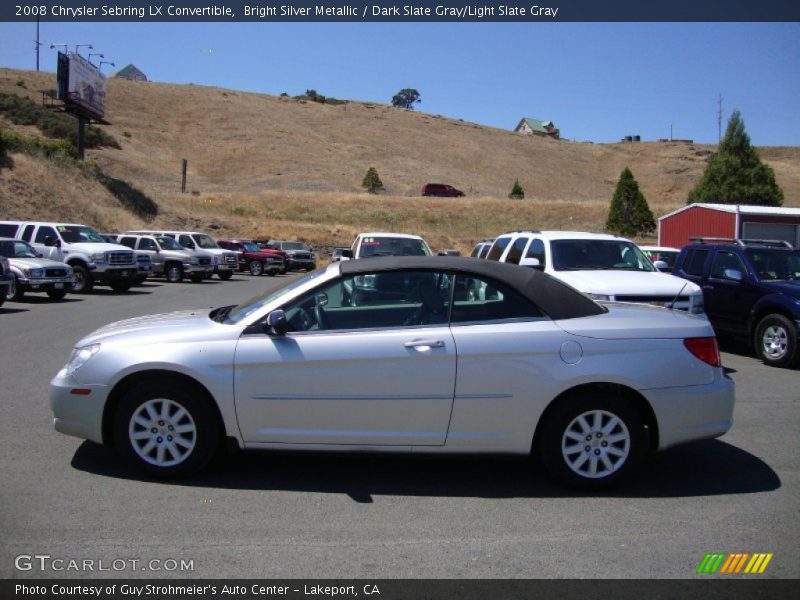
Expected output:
{"points": [[536, 127], [132, 73]]}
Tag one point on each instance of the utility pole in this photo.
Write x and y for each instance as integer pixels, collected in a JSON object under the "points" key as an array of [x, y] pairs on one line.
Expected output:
{"points": [[38, 43], [719, 120]]}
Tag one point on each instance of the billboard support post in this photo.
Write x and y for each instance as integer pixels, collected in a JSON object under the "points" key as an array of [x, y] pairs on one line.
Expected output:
{"points": [[81, 135]]}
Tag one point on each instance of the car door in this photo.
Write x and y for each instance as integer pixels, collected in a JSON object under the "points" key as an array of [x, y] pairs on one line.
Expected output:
{"points": [[728, 300], [48, 243], [362, 366]]}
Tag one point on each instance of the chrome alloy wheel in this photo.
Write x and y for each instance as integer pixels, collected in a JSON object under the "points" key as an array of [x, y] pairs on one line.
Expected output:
{"points": [[162, 432], [775, 341], [596, 444]]}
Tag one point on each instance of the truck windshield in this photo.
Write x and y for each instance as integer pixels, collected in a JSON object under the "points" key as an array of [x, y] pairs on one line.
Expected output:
{"points": [[73, 234], [205, 241], [777, 265], [393, 246], [598, 255], [251, 247], [167, 243]]}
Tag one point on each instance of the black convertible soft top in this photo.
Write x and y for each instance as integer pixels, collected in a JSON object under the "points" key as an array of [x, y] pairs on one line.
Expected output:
{"points": [[558, 300]]}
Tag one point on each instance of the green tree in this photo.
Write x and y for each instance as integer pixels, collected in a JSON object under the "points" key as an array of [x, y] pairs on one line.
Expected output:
{"points": [[372, 182], [406, 98], [517, 193], [629, 214], [735, 174]]}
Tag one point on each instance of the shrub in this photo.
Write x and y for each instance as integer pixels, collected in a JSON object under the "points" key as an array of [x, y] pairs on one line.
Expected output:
{"points": [[517, 193], [629, 214], [372, 181]]}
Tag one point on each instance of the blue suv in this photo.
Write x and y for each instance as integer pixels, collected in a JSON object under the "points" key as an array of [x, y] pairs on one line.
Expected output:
{"points": [[751, 288]]}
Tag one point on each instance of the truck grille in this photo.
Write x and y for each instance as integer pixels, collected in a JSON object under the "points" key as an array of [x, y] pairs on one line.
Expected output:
{"points": [[230, 259], [55, 273], [302, 256], [120, 258]]}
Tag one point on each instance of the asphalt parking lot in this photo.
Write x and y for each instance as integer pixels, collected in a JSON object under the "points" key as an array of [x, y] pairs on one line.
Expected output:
{"points": [[279, 516]]}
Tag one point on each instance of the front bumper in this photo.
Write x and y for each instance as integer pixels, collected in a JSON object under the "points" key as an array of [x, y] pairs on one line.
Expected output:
{"points": [[128, 273], [78, 414], [297, 264], [690, 413], [45, 284]]}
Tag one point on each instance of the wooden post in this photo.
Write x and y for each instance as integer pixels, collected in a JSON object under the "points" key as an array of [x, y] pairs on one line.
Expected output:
{"points": [[183, 176], [81, 135]]}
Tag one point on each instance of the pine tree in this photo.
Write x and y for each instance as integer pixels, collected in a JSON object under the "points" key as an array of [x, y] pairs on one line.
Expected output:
{"points": [[372, 181], [736, 175], [517, 193], [629, 214]]}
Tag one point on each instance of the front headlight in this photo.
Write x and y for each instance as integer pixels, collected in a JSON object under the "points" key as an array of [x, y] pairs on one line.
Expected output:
{"points": [[34, 273], [600, 297], [99, 257], [194, 260], [79, 357], [216, 259]]}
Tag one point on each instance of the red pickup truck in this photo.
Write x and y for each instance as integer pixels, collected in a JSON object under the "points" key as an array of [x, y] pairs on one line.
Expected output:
{"points": [[254, 259]]}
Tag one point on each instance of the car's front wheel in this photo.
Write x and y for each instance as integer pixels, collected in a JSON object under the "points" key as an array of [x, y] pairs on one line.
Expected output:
{"points": [[592, 441], [256, 268], [225, 275], [56, 294], [776, 341], [15, 291], [174, 273], [166, 430], [83, 282]]}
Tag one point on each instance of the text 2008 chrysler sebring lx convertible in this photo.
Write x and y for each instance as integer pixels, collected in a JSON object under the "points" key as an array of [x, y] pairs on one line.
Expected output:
{"points": [[404, 354]]}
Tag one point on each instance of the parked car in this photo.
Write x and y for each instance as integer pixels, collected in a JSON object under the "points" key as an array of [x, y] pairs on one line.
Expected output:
{"points": [[751, 289], [5, 279], [662, 257], [202, 244], [297, 255], [325, 362], [170, 260], [481, 249], [93, 260], [606, 267], [253, 259], [441, 189], [381, 243], [33, 273]]}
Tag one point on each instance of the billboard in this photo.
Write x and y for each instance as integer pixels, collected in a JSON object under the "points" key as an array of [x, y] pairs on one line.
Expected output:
{"points": [[81, 85]]}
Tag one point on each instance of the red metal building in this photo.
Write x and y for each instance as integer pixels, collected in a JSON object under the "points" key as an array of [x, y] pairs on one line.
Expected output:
{"points": [[729, 221]]}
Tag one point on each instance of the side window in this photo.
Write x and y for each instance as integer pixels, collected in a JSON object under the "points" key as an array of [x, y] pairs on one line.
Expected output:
{"points": [[484, 300], [128, 241], [695, 262], [44, 233], [9, 231], [147, 244], [27, 235], [536, 250], [497, 248], [380, 300], [725, 260], [516, 250], [186, 241]]}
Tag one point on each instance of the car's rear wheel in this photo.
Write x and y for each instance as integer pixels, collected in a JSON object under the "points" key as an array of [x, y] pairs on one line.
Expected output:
{"points": [[82, 281], [166, 430], [592, 441], [776, 341], [256, 268], [225, 275], [15, 292]]}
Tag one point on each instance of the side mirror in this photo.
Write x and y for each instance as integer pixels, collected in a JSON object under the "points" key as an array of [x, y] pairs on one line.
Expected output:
{"points": [[661, 265], [277, 323], [347, 253], [50, 241], [533, 263], [733, 275], [322, 299]]}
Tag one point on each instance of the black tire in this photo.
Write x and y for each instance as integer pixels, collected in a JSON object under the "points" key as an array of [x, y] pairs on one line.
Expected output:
{"points": [[197, 277], [225, 275], [256, 267], [83, 280], [56, 294], [173, 272], [120, 286], [775, 341], [615, 453], [15, 292], [144, 454], [3, 294]]}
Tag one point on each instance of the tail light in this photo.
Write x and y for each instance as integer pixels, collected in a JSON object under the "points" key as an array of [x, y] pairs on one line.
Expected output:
{"points": [[705, 348]]}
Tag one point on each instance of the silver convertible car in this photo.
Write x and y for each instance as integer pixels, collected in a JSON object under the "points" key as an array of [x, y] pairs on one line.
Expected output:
{"points": [[402, 354]]}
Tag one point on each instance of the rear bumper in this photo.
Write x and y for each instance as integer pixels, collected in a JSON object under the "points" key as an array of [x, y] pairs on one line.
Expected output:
{"points": [[686, 414]]}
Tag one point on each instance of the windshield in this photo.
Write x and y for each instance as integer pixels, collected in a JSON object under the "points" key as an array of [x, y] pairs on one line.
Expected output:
{"points": [[598, 255], [251, 247], [775, 265], [294, 246], [73, 234], [205, 241], [24, 250], [393, 246], [237, 313], [167, 243]]}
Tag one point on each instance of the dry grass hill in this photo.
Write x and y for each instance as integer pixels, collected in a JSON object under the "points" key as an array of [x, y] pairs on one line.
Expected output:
{"points": [[265, 165]]}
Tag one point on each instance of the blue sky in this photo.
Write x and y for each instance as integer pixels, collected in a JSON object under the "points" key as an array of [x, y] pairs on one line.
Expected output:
{"points": [[596, 81]]}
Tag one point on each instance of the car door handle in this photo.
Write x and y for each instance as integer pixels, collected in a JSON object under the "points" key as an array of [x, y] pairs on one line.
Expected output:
{"points": [[424, 344]]}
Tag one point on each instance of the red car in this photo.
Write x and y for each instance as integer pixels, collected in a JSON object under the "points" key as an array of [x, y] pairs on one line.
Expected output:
{"points": [[441, 189], [254, 259]]}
